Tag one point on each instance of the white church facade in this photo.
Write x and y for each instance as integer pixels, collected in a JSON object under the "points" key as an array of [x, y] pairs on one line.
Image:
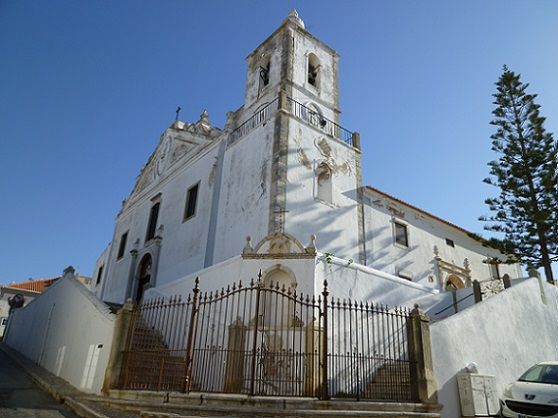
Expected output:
{"points": [[279, 188]]}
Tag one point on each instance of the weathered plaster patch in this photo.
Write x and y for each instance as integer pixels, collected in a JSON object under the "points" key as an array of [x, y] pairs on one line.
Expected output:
{"points": [[324, 148], [396, 212], [303, 158], [212, 173], [263, 178]]}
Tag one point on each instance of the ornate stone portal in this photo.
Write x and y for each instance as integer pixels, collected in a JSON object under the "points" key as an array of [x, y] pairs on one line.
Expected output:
{"points": [[451, 276]]}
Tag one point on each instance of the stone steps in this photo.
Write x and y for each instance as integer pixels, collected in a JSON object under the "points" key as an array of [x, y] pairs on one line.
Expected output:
{"points": [[179, 405], [391, 382]]}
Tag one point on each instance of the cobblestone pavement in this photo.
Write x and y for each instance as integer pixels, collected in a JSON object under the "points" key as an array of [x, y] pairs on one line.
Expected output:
{"points": [[20, 397]]}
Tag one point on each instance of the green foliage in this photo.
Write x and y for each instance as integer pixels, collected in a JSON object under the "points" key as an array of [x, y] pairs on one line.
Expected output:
{"points": [[525, 212]]}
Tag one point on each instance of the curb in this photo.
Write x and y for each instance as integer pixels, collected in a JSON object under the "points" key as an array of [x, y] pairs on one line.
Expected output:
{"points": [[81, 409], [76, 406]]}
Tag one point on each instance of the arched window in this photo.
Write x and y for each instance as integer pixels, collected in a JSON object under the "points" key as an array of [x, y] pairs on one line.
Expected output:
{"points": [[324, 183], [263, 79], [313, 70]]}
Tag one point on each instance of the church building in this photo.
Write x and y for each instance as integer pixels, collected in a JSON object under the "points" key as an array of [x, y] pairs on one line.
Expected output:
{"points": [[279, 189]]}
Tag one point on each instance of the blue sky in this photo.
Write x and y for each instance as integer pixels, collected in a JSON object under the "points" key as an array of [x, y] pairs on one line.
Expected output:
{"points": [[87, 87]]}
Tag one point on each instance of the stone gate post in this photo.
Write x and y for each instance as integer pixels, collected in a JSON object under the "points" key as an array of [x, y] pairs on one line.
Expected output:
{"points": [[236, 349], [120, 342], [423, 382]]}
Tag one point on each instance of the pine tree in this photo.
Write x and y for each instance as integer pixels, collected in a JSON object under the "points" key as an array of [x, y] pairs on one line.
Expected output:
{"points": [[526, 211]]}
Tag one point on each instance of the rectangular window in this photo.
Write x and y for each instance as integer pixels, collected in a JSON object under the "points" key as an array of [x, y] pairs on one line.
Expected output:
{"points": [[400, 232], [122, 246], [152, 225], [450, 242], [99, 275], [191, 200]]}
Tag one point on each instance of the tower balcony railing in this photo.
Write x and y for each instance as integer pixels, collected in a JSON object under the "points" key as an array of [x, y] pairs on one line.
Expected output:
{"points": [[324, 124], [298, 110], [257, 119]]}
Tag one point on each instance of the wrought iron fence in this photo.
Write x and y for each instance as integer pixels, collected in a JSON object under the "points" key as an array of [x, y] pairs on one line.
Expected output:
{"points": [[317, 120], [266, 339]]}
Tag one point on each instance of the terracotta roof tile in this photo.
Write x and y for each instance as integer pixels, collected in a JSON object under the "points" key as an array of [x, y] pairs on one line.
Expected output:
{"points": [[39, 285]]}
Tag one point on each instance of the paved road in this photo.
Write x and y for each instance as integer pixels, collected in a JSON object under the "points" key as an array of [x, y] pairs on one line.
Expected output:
{"points": [[21, 398]]}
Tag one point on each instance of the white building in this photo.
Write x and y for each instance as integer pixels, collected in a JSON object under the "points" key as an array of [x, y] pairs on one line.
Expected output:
{"points": [[282, 171]]}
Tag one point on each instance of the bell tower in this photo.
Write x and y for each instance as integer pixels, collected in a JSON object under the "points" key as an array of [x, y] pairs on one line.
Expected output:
{"points": [[314, 183], [296, 62]]}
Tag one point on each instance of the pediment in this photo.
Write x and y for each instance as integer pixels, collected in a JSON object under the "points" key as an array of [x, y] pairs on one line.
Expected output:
{"points": [[172, 147]]}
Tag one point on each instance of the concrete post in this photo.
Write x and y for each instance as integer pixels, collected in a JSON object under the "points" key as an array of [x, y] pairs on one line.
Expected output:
{"points": [[120, 343], [507, 281], [356, 140], [234, 374], [477, 291], [423, 383]]}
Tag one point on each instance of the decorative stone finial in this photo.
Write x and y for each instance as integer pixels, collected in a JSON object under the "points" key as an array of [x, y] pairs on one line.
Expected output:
{"points": [[69, 269], [69, 272], [293, 17], [248, 246], [311, 247], [204, 120], [466, 264], [436, 251], [230, 122]]}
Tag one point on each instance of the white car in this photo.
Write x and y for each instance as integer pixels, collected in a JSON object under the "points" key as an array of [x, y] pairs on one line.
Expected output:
{"points": [[535, 394]]}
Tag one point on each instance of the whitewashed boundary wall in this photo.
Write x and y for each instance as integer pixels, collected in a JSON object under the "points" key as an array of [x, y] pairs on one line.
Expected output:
{"points": [[504, 335], [68, 331], [350, 280]]}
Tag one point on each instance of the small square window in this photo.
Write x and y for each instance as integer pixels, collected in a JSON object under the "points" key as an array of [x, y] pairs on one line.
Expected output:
{"points": [[450, 242], [400, 233], [122, 246], [191, 201]]}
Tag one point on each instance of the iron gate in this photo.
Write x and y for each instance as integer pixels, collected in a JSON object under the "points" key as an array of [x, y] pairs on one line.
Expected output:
{"points": [[265, 339]]}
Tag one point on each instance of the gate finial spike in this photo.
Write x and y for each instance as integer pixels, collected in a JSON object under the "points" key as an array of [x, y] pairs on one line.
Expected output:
{"points": [[260, 275]]}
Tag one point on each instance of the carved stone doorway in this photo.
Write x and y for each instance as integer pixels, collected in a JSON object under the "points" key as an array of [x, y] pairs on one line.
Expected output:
{"points": [[144, 276]]}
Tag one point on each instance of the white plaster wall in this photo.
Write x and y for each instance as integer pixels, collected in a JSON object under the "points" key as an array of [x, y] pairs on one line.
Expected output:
{"points": [[184, 243], [350, 280], [424, 233], [335, 224], [245, 192], [504, 335], [61, 330], [238, 269]]}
